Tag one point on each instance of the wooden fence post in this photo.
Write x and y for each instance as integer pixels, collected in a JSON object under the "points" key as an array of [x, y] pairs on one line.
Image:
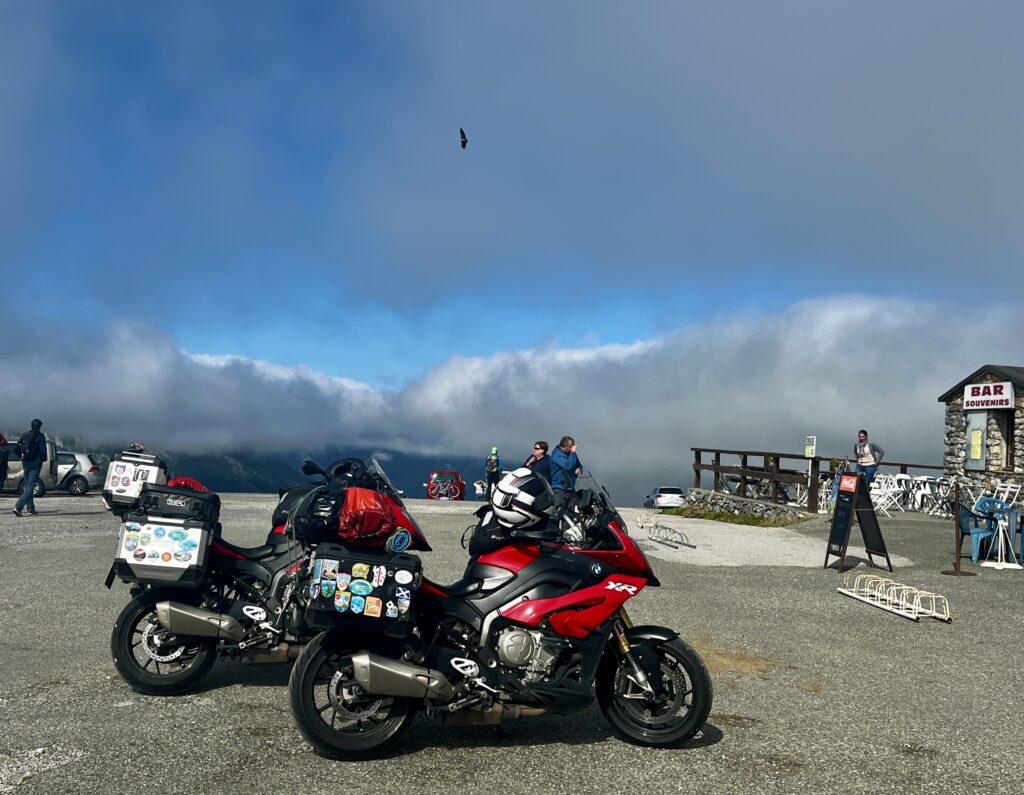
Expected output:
{"points": [[812, 486], [743, 478], [696, 469], [717, 482]]}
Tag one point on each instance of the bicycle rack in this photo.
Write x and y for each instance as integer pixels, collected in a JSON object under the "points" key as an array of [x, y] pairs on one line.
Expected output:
{"points": [[668, 536], [895, 597]]}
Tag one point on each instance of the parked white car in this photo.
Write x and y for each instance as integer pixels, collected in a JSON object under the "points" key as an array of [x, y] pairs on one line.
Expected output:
{"points": [[665, 497]]}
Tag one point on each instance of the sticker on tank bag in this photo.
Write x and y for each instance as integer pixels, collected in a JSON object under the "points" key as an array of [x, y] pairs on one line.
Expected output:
{"points": [[341, 600], [373, 606], [316, 569], [403, 606], [403, 593], [391, 611], [314, 590], [330, 570], [344, 578], [360, 571], [360, 587], [357, 604], [380, 573], [327, 588], [403, 577]]}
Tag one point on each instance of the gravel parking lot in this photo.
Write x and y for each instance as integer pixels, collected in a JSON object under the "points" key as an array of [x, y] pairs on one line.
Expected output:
{"points": [[814, 692]]}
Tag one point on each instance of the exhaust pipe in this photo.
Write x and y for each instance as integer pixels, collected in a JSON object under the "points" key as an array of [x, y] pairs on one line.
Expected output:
{"points": [[182, 619], [382, 676]]}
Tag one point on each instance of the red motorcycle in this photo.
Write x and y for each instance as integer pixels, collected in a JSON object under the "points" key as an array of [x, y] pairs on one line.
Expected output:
{"points": [[536, 626]]}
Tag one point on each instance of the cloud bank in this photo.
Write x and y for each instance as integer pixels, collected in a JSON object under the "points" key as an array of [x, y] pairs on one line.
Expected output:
{"points": [[825, 367]]}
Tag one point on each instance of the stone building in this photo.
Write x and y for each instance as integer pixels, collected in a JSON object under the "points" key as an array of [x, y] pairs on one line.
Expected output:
{"points": [[984, 439]]}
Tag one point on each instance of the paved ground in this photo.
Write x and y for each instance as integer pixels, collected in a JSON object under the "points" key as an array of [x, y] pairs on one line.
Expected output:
{"points": [[814, 692]]}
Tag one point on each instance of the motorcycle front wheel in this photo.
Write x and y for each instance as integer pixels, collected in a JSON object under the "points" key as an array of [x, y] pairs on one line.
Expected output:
{"points": [[333, 713], [680, 708], [150, 659]]}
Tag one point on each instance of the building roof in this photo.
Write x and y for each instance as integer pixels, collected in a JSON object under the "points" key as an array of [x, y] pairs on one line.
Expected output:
{"points": [[1007, 372]]}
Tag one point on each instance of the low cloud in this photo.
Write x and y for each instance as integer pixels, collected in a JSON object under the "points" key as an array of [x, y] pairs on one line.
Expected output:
{"points": [[825, 367]]}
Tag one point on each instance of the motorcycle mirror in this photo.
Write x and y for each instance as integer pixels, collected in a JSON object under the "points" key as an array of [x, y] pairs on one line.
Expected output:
{"points": [[312, 468]]}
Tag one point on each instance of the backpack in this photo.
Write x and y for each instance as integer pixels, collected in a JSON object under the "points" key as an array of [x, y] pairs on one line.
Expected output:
{"points": [[492, 463], [28, 446]]}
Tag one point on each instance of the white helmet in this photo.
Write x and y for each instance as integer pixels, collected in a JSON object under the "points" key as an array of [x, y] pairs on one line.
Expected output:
{"points": [[521, 499]]}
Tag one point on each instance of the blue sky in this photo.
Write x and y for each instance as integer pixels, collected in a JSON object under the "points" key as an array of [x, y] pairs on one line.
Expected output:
{"points": [[285, 184]]}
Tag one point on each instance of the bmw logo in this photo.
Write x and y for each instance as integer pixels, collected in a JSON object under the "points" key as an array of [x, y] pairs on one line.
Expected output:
{"points": [[596, 568]]}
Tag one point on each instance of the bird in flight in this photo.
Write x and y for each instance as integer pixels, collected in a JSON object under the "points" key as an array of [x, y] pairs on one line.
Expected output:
{"points": [[462, 135]]}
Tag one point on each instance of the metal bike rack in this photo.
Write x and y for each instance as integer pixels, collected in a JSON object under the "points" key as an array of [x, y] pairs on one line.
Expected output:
{"points": [[661, 534], [895, 597]]}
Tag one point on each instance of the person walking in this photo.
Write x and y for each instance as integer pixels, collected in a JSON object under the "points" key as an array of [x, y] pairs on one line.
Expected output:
{"points": [[539, 460], [492, 469], [868, 456], [5, 453], [32, 451], [565, 468]]}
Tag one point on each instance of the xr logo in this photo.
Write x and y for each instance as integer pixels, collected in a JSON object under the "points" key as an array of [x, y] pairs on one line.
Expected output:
{"points": [[621, 586]]}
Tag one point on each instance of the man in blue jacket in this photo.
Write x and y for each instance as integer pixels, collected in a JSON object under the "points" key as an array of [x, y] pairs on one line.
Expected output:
{"points": [[565, 467], [32, 451]]}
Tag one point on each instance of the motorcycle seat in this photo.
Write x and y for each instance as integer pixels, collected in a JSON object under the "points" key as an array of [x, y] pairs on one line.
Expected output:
{"points": [[249, 553], [462, 588]]}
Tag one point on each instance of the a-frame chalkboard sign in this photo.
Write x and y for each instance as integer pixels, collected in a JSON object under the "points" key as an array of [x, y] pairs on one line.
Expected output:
{"points": [[854, 499]]}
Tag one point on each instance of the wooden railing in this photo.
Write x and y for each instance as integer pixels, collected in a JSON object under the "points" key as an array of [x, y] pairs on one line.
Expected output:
{"points": [[809, 474]]}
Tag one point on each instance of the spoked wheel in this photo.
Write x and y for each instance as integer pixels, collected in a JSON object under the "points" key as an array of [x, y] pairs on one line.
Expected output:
{"points": [[334, 714], [152, 660], [679, 708]]}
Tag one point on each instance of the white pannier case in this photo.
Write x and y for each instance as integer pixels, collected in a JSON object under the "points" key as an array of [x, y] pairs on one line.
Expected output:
{"points": [[127, 474]]}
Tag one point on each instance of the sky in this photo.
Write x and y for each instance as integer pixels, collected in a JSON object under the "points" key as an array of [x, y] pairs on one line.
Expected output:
{"points": [[229, 225]]}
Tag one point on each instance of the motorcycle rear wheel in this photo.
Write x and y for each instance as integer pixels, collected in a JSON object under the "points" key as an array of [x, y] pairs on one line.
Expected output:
{"points": [[151, 660], [686, 698], [333, 714]]}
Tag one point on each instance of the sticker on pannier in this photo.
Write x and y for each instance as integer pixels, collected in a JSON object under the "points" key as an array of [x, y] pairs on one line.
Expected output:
{"points": [[166, 546]]}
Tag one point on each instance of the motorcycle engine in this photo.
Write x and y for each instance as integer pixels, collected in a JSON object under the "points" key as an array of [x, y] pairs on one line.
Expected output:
{"points": [[526, 649]]}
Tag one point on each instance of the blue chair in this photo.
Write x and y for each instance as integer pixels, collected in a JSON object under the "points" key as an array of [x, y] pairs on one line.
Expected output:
{"points": [[970, 526]]}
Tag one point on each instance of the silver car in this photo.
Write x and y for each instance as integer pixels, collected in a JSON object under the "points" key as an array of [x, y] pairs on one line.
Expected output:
{"points": [[78, 472], [75, 472]]}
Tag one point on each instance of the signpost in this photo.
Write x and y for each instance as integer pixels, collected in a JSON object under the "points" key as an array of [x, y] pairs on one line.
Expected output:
{"points": [[853, 499]]}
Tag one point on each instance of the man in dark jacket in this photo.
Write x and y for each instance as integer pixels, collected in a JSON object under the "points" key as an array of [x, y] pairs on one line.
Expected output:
{"points": [[32, 451], [565, 467], [5, 452], [539, 460]]}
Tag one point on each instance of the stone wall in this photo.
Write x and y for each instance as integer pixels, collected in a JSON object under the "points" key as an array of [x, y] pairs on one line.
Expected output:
{"points": [[706, 500], [955, 441]]}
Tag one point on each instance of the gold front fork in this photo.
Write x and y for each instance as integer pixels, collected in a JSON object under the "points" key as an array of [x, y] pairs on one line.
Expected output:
{"points": [[619, 627]]}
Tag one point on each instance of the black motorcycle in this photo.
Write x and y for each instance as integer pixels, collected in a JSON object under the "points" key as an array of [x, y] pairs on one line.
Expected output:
{"points": [[197, 596]]}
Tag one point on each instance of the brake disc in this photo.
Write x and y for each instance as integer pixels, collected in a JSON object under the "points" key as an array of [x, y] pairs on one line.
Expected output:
{"points": [[347, 702], [671, 697], [153, 637]]}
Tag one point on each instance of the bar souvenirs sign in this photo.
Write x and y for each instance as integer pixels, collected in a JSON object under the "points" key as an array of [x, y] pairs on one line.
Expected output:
{"points": [[981, 397]]}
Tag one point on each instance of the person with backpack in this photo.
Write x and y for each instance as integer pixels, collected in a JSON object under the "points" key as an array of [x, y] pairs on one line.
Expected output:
{"points": [[5, 453], [32, 452], [565, 468], [492, 468]]}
